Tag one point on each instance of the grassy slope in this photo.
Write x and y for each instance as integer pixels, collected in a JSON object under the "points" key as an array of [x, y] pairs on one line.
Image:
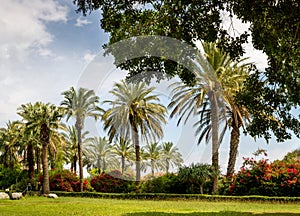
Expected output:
{"points": [[88, 206]]}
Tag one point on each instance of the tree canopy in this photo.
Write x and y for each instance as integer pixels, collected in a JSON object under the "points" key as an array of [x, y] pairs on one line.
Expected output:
{"points": [[270, 95]]}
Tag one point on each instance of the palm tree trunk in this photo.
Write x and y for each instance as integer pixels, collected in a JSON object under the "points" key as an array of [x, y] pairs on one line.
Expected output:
{"points": [[123, 164], [45, 142], [25, 159], [201, 188], [137, 155], [99, 165], [104, 165], [167, 166], [152, 168], [215, 139], [234, 144], [78, 126], [30, 160], [38, 159], [74, 164]]}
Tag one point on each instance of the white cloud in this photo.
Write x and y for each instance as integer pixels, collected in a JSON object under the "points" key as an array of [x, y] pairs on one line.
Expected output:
{"points": [[88, 57], [24, 39], [46, 52], [23, 26], [81, 22]]}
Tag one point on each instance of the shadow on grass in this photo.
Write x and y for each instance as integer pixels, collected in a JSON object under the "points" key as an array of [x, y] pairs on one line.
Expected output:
{"points": [[222, 213]]}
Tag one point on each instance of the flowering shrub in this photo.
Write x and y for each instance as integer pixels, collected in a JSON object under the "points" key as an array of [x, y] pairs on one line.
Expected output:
{"points": [[113, 182], [262, 177], [65, 180]]}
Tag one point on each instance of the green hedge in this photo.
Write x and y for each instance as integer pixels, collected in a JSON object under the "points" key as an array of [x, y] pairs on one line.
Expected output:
{"points": [[162, 196]]}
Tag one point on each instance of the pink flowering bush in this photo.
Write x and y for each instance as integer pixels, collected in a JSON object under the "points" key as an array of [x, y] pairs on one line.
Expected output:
{"points": [[279, 178], [113, 182], [65, 180]]}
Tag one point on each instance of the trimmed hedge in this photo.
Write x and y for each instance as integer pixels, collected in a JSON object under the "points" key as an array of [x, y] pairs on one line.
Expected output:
{"points": [[162, 196]]}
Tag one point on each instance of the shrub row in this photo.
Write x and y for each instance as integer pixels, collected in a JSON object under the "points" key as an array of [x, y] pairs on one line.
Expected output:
{"points": [[164, 196]]}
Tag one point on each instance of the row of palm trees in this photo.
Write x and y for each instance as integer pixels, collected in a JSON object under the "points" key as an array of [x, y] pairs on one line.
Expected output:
{"points": [[136, 114], [101, 154]]}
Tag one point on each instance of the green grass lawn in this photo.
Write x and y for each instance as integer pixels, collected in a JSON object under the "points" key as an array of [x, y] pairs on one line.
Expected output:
{"points": [[88, 206]]}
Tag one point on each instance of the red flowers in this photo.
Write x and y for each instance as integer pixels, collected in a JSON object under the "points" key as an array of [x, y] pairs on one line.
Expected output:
{"points": [[261, 177]]}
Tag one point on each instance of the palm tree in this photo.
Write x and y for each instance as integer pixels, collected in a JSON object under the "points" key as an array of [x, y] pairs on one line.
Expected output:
{"points": [[99, 153], [209, 91], [30, 140], [196, 174], [9, 144], [153, 154], [135, 113], [238, 115], [125, 150], [57, 145], [80, 105], [170, 156], [43, 119], [232, 81], [71, 148]]}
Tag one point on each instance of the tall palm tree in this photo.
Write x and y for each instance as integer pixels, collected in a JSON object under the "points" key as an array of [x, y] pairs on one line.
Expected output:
{"points": [[208, 90], [124, 149], [43, 119], [238, 114], [135, 113], [232, 81], [99, 153], [80, 104], [170, 156]]}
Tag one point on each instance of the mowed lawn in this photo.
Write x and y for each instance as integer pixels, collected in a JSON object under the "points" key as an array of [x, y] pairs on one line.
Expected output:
{"points": [[91, 206]]}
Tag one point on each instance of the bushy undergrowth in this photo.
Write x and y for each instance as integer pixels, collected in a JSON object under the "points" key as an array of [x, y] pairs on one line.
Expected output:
{"points": [[279, 178], [171, 183], [65, 180], [16, 178], [113, 182]]}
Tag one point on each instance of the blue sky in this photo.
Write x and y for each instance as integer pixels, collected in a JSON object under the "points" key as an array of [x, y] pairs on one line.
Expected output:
{"points": [[45, 48]]}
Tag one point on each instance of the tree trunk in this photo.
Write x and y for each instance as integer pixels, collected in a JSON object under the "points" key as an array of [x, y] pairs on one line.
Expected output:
{"points": [[74, 164], [152, 167], [44, 137], [201, 188], [215, 139], [167, 165], [137, 155], [25, 159], [123, 164], [30, 161], [38, 159], [99, 165], [104, 165], [78, 126], [234, 144]]}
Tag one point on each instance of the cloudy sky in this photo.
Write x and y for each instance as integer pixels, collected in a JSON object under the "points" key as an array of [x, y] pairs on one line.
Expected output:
{"points": [[45, 48]]}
